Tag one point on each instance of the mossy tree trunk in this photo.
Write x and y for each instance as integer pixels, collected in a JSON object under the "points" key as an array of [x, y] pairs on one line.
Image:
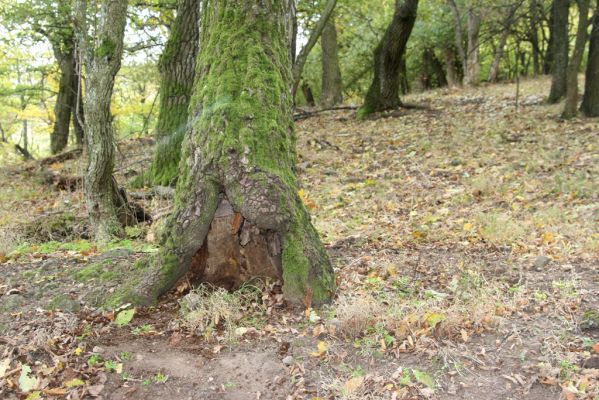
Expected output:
{"points": [[590, 99], [102, 50], [383, 93], [559, 49], [177, 72], [332, 86], [571, 103], [237, 210]]}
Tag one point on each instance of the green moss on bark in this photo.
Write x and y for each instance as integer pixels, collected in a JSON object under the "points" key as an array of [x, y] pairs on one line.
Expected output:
{"points": [[241, 144]]}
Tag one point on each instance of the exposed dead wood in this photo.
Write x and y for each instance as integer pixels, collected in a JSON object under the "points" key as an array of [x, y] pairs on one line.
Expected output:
{"points": [[235, 251], [164, 192]]}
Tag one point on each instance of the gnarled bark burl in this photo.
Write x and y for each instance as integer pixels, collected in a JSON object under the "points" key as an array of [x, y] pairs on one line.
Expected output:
{"points": [[237, 210]]}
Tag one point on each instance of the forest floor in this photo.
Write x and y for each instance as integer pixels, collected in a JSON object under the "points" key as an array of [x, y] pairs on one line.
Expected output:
{"points": [[465, 240]]}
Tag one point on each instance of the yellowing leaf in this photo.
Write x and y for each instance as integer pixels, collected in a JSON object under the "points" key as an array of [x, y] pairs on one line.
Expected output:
{"points": [[34, 395], [547, 237], [321, 349], [433, 318], [74, 383], [353, 384], [124, 317]]}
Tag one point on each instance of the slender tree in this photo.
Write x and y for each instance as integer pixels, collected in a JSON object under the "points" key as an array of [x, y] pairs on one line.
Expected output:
{"points": [[590, 99], [332, 86], [177, 72], [383, 93], [459, 33], [472, 72], [559, 49], [101, 46], [300, 61], [237, 210], [571, 103], [506, 27]]}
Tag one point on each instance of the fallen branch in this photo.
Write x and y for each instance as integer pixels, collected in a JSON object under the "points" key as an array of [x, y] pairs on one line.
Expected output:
{"points": [[64, 156], [24, 152], [308, 114], [164, 192]]}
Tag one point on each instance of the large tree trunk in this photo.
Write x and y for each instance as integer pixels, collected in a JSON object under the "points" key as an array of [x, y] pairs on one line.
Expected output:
{"points": [[106, 205], [177, 72], [559, 51], [332, 86], [472, 72], [590, 99], [64, 101], [574, 64], [237, 211], [383, 93]]}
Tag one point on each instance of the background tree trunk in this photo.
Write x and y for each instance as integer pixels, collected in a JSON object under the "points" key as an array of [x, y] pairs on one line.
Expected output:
{"points": [[453, 79], [571, 103], [505, 32], [459, 33], [177, 72], [534, 36], [590, 99], [106, 205], [64, 102], [332, 86], [77, 108], [383, 93], [472, 72], [237, 192], [559, 51], [302, 57]]}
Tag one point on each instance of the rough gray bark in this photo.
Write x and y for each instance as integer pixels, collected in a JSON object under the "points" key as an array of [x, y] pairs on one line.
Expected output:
{"points": [[237, 192], [559, 49], [571, 103], [472, 71], [590, 99], [383, 93], [107, 206], [302, 57], [177, 73], [332, 86]]}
